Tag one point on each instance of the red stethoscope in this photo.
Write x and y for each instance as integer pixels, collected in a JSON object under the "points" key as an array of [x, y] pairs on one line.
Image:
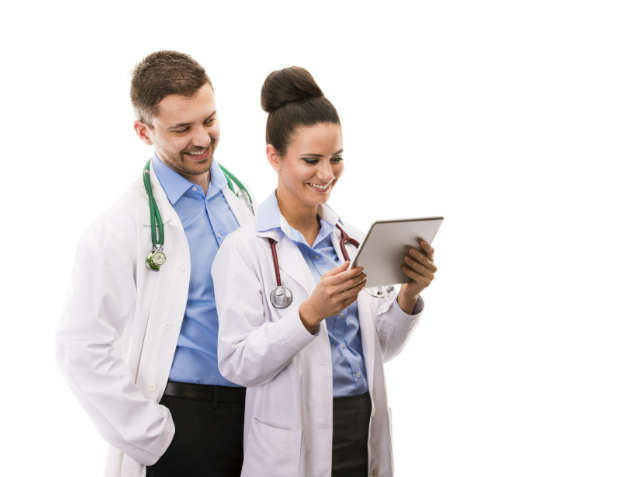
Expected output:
{"points": [[282, 297]]}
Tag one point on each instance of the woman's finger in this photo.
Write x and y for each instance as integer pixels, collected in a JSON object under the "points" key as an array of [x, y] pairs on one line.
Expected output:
{"points": [[417, 267], [428, 249], [422, 259], [342, 277]]}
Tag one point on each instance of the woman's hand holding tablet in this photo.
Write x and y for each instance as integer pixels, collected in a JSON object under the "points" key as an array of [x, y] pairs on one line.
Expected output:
{"points": [[421, 270], [399, 251], [337, 289]]}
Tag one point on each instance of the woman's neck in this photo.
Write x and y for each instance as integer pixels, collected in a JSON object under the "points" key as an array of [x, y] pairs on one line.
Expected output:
{"points": [[300, 217]]}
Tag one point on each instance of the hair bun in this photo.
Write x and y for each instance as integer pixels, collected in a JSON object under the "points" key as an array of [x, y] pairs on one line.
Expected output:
{"points": [[287, 85]]}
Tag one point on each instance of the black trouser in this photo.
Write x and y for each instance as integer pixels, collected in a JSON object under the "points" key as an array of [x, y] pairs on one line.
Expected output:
{"points": [[208, 438], [350, 454]]}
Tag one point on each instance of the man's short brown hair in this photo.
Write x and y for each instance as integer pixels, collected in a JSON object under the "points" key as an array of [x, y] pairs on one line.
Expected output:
{"points": [[161, 74]]}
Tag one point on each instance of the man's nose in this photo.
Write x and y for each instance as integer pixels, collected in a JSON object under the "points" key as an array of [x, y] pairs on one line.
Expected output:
{"points": [[201, 138]]}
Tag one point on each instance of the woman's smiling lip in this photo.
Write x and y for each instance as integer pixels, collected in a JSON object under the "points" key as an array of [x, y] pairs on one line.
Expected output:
{"points": [[319, 187], [199, 157]]}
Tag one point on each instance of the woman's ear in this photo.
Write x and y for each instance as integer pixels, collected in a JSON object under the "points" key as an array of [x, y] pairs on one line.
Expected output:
{"points": [[273, 157]]}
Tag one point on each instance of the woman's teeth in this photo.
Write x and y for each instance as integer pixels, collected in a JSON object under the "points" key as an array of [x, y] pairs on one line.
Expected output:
{"points": [[318, 186]]}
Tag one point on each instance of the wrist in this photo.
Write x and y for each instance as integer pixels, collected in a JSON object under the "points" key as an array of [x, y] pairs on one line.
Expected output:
{"points": [[307, 318], [406, 301]]}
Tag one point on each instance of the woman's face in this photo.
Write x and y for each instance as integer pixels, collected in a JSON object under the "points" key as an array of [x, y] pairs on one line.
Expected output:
{"points": [[310, 169]]}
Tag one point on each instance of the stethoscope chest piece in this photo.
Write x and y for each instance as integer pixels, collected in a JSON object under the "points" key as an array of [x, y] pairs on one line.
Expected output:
{"points": [[156, 258], [281, 297]]}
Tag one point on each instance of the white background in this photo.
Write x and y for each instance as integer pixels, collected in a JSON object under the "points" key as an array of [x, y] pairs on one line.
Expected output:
{"points": [[518, 121]]}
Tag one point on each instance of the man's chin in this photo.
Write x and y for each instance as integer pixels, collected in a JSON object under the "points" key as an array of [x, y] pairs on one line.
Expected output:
{"points": [[196, 168]]}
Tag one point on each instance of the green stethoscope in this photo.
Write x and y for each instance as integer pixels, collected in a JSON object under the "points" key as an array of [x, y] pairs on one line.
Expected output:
{"points": [[157, 258]]}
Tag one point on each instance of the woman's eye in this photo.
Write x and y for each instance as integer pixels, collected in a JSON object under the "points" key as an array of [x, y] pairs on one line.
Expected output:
{"points": [[311, 162], [336, 159]]}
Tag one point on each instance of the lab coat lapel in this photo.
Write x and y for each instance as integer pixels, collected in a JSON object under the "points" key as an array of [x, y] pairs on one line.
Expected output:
{"points": [[290, 259], [367, 309], [168, 214], [239, 209], [367, 331]]}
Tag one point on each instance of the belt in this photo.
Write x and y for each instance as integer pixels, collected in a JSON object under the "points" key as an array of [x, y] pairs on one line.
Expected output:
{"points": [[204, 392]]}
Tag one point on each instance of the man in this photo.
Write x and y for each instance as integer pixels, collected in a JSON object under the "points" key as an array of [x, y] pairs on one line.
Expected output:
{"points": [[138, 346]]}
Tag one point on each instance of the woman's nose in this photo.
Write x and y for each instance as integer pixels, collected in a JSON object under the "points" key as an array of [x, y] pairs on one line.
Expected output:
{"points": [[325, 172]]}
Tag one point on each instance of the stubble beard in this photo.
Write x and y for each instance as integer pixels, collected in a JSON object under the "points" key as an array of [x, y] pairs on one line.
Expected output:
{"points": [[183, 165]]}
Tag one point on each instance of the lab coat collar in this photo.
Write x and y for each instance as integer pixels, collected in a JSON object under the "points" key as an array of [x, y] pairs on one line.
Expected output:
{"points": [[168, 214], [175, 185], [272, 224]]}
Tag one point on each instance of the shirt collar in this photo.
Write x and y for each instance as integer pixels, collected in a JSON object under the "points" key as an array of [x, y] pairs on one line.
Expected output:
{"points": [[269, 217], [175, 185]]}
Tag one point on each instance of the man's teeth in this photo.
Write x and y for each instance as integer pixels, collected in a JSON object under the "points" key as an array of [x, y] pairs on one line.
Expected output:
{"points": [[320, 186], [196, 153]]}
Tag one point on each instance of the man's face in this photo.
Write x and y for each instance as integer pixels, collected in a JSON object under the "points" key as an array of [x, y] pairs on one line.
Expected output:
{"points": [[186, 131]]}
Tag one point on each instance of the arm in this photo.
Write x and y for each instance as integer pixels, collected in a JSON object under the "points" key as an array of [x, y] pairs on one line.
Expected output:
{"points": [[251, 350], [398, 317], [99, 305]]}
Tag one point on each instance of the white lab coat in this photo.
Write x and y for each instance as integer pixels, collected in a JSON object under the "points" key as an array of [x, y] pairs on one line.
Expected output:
{"points": [[121, 322], [287, 370]]}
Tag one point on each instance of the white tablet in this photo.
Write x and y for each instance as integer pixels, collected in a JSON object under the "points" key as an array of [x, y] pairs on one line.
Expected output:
{"points": [[382, 251]]}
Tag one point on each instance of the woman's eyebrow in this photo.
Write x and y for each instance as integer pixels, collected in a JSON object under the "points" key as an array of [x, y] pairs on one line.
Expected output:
{"points": [[320, 155]]}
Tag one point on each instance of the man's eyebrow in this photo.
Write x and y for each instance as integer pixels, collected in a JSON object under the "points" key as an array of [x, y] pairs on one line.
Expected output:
{"points": [[181, 125], [320, 155]]}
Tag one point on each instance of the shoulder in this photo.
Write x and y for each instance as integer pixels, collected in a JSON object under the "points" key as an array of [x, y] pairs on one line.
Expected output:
{"points": [[120, 221], [243, 239]]}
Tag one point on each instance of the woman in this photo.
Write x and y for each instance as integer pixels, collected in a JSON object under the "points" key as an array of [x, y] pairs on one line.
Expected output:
{"points": [[316, 398]]}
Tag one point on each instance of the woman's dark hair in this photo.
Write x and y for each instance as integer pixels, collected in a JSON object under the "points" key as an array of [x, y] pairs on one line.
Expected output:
{"points": [[293, 99]]}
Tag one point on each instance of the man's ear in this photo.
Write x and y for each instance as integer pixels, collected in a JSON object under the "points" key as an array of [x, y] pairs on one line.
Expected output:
{"points": [[142, 130], [273, 157]]}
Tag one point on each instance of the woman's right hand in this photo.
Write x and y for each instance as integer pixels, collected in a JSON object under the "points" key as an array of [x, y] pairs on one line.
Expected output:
{"points": [[336, 290]]}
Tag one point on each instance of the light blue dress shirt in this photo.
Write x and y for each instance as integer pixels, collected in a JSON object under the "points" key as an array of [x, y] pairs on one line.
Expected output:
{"points": [[207, 220], [349, 371]]}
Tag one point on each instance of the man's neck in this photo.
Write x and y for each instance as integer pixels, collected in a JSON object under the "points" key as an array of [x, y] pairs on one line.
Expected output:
{"points": [[201, 179], [198, 179], [303, 219]]}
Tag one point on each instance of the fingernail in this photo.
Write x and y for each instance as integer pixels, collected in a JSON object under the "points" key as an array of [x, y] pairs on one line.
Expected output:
{"points": [[424, 242], [412, 252]]}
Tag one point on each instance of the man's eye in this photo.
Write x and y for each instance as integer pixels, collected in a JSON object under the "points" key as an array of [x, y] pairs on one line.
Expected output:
{"points": [[180, 131], [210, 121]]}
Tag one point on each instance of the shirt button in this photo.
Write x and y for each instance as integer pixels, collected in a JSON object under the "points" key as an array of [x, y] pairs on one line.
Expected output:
{"points": [[357, 375], [194, 188], [340, 315], [317, 258], [168, 325], [183, 266], [374, 472], [152, 387], [218, 234], [342, 346]]}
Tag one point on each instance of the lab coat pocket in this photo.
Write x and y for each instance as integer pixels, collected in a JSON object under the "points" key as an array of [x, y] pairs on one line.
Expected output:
{"points": [[271, 451]]}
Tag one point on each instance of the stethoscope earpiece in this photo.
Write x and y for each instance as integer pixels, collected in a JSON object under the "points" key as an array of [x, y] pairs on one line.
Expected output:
{"points": [[381, 294]]}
